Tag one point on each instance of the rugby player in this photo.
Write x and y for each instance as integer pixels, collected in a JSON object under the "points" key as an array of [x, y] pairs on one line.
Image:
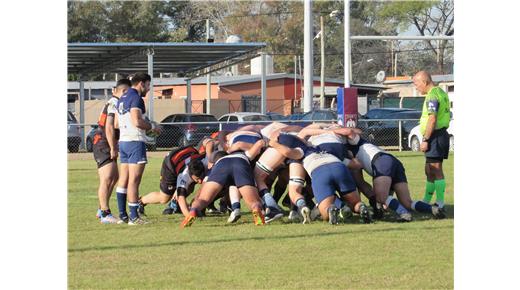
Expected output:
{"points": [[180, 170], [132, 147], [105, 152], [232, 169], [388, 174]]}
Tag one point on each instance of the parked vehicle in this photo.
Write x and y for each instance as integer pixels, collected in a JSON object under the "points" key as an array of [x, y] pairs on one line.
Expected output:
{"points": [[415, 137], [275, 116], [379, 129], [321, 115], [242, 117], [73, 133], [294, 117], [232, 121], [185, 134]]}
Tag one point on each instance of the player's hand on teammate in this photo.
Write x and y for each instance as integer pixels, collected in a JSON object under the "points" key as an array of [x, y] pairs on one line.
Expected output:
{"points": [[274, 136], [347, 131]]}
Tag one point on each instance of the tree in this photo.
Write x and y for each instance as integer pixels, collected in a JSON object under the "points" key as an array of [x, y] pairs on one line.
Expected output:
{"points": [[429, 18]]}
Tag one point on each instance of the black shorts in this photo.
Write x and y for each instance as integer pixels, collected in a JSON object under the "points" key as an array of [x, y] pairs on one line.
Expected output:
{"points": [[168, 181], [388, 165], [438, 146], [101, 152]]}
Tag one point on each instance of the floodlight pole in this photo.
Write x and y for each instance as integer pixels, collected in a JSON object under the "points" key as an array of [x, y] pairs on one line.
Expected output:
{"points": [[150, 93], [307, 57], [188, 96], [263, 83], [82, 111]]}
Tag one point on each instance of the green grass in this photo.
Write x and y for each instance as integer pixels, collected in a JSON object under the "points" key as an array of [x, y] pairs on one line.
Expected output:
{"points": [[212, 254]]}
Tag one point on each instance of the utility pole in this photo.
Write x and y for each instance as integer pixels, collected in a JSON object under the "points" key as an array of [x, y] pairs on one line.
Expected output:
{"points": [[208, 76], [322, 77]]}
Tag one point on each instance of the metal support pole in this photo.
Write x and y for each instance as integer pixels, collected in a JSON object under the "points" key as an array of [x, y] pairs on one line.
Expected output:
{"points": [[208, 77], [308, 56], [82, 112], [188, 96], [400, 126], [263, 83], [395, 65], [322, 74], [301, 86], [295, 83], [150, 93], [346, 43]]}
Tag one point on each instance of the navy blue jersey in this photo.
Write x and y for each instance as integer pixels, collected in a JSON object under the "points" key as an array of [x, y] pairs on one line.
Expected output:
{"points": [[294, 142], [128, 131], [336, 149]]}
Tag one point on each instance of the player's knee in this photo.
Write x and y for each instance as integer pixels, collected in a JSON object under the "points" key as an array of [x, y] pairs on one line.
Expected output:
{"points": [[164, 198]]}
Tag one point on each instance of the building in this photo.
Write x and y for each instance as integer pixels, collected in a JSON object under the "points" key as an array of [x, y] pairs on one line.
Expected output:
{"points": [[240, 93], [401, 91]]}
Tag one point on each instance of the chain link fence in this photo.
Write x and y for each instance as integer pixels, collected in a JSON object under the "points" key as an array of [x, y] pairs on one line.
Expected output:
{"points": [[390, 134]]}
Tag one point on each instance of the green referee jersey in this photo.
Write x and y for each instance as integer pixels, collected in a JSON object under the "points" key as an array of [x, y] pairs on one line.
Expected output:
{"points": [[436, 103]]}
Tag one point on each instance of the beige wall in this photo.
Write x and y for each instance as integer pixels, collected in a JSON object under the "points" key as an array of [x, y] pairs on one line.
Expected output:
{"points": [[162, 108]]}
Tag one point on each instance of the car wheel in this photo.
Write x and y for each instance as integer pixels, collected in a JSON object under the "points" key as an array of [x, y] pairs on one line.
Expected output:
{"points": [[415, 144], [89, 145], [452, 144]]}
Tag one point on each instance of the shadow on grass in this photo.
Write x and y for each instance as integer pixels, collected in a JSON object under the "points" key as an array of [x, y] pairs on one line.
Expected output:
{"points": [[226, 240]]}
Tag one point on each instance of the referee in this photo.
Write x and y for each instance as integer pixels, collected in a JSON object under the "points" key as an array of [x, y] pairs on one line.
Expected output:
{"points": [[434, 122]]}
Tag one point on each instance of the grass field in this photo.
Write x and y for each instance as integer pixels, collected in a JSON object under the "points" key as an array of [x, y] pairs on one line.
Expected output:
{"points": [[212, 254]]}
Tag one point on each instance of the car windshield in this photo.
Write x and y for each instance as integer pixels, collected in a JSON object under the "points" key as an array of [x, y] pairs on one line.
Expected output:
{"points": [[319, 115], [383, 114], [71, 118], [256, 118], [202, 118]]}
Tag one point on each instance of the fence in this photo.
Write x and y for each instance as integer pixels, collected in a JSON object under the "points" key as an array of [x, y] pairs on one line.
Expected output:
{"points": [[390, 134]]}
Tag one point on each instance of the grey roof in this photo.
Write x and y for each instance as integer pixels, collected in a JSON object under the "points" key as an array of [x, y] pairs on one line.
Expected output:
{"points": [[435, 78], [168, 57]]}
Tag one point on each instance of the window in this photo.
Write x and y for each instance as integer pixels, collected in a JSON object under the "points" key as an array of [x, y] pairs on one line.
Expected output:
{"points": [[168, 119], [223, 119], [233, 119], [202, 118], [256, 118]]}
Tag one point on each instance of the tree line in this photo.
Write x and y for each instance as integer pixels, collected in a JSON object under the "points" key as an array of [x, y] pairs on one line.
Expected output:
{"points": [[280, 25]]}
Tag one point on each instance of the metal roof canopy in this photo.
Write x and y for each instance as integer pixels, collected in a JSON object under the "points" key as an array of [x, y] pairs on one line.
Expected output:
{"points": [[185, 58]]}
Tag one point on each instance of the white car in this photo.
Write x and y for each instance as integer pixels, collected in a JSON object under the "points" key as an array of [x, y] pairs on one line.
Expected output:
{"points": [[243, 117], [415, 137]]}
